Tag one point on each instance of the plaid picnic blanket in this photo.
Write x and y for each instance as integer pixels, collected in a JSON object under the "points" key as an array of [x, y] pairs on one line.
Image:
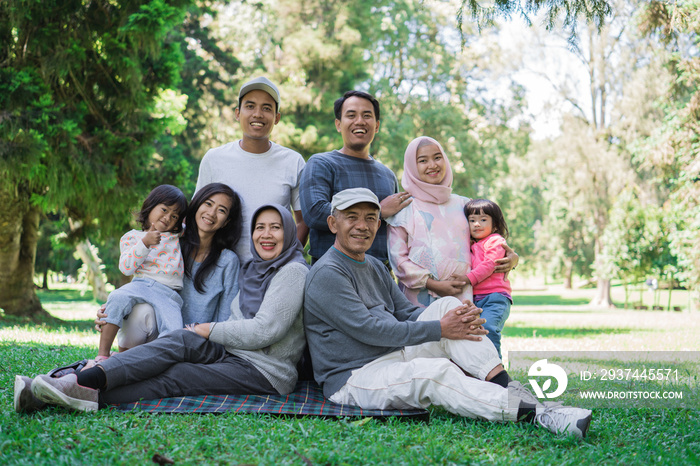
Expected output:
{"points": [[306, 400]]}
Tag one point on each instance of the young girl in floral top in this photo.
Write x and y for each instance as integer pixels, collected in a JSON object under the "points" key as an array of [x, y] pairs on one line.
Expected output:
{"points": [[153, 256]]}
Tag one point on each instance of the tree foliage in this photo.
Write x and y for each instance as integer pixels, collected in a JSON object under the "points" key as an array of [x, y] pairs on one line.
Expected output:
{"points": [[671, 152], [566, 14], [208, 83], [80, 84], [613, 104], [100, 101]]}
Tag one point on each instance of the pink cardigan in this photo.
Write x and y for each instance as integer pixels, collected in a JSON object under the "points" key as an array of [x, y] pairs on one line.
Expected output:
{"points": [[484, 254]]}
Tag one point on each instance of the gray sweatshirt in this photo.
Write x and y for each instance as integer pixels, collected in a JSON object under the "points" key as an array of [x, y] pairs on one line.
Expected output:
{"points": [[355, 313], [273, 340]]}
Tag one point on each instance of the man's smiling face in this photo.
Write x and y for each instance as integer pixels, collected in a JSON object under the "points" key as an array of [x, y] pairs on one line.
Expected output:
{"points": [[358, 124], [355, 229], [257, 115]]}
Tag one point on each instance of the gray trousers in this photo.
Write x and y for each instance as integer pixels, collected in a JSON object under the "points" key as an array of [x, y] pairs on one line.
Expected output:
{"points": [[179, 364]]}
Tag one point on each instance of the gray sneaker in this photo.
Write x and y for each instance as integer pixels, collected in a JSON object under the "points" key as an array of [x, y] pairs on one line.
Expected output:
{"points": [[517, 391], [25, 401], [65, 392], [564, 419]]}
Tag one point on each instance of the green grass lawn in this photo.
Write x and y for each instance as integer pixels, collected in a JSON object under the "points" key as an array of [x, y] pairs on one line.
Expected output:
{"points": [[557, 320]]}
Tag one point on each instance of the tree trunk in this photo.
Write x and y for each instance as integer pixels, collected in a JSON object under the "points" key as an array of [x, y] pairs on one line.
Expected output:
{"points": [[19, 226], [88, 254], [602, 298], [568, 273], [45, 280]]}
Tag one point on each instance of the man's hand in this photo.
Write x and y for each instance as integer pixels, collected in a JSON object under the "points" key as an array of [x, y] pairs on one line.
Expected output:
{"points": [[394, 203], [508, 263], [101, 314], [463, 323], [152, 237], [450, 287], [470, 314]]}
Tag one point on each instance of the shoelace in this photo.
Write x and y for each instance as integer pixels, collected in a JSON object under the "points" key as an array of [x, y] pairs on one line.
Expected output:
{"points": [[555, 420]]}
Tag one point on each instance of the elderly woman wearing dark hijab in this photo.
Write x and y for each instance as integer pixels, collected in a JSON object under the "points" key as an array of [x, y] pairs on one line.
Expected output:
{"points": [[255, 351]]}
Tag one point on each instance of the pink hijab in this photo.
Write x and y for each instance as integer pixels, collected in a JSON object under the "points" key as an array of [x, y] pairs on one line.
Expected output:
{"points": [[411, 182]]}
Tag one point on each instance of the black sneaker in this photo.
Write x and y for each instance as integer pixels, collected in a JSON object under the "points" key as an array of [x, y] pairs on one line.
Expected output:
{"points": [[73, 368]]}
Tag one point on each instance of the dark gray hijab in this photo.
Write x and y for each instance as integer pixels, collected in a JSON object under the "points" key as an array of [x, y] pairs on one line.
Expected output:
{"points": [[257, 273]]}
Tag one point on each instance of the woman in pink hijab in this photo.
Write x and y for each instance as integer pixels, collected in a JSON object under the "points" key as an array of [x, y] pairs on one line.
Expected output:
{"points": [[428, 241]]}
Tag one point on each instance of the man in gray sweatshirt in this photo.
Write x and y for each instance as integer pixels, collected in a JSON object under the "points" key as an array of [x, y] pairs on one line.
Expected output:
{"points": [[372, 348]]}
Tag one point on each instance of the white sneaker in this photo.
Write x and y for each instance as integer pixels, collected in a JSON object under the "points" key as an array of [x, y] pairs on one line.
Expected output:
{"points": [[564, 419]]}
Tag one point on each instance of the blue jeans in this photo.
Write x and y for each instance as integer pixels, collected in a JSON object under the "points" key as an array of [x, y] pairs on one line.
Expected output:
{"points": [[166, 302], [496, 309]]}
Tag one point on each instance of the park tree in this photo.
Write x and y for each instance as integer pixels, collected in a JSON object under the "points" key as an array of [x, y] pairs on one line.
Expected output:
{"points": [[53, 253], [634, 241], [208, 81], [610, 87], [80, 88], [575, 191], [671, 152]]}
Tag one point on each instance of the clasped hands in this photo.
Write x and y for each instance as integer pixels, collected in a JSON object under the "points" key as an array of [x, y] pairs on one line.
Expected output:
{"points": [[463, 323]]}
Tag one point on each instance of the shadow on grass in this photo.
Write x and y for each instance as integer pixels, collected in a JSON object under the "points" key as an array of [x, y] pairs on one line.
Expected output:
{"points": [[540, 332], [37, 358], [48, 323], [548, 300], [63, 296]]}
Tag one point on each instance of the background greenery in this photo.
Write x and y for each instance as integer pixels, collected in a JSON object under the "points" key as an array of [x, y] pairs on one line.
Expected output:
{"points": [[553, 318], [103, 100]]}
